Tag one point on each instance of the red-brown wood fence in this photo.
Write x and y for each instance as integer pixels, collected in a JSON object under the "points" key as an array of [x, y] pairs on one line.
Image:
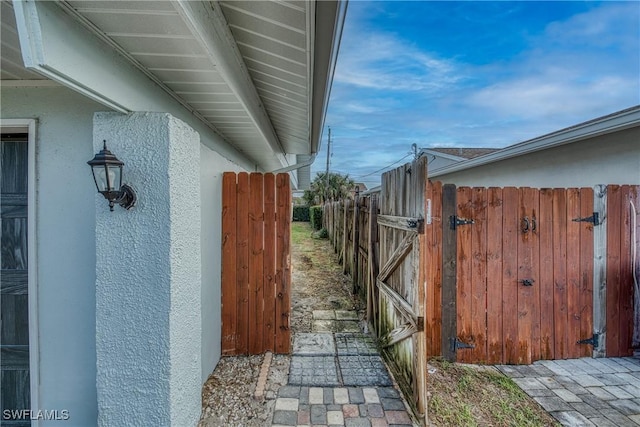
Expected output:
{"points": [[582, 279], [256, 272], [620, 223], [517, 284]]}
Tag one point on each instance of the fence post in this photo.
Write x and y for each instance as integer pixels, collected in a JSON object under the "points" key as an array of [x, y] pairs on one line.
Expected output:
{"points": [[345, 237], [449, 255], [356, 245], [372, 295], [600, 271]]}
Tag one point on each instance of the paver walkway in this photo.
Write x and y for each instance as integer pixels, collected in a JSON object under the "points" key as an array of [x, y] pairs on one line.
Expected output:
{"points": [[584, 392], [337, 378]]}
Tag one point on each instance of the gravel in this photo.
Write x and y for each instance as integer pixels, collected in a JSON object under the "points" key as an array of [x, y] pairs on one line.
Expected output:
{"points": [[227, 395]]}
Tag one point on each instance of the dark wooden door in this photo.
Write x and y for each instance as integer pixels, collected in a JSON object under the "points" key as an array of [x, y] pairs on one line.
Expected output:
{"points": [[14, 305]]}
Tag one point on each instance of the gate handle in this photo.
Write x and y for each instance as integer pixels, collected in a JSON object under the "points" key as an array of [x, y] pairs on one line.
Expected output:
{"points": [[525, 224]]}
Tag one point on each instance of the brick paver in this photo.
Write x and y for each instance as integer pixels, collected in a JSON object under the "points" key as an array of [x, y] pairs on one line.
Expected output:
{"points": [[584, 392], [338, 378]]}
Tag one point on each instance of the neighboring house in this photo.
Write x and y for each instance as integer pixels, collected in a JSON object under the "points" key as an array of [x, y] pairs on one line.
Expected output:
{"points": [[605, 150], [439, 157], [358, 187], [113, 318]]}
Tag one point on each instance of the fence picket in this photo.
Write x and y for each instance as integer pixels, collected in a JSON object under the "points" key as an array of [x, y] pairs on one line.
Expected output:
{"points": [[268, 330], [242, 253], [586, 271], [573, 272], [560, 292], [494, 276], [229, 306], [283, 266], [545, 234], [510, 242]]}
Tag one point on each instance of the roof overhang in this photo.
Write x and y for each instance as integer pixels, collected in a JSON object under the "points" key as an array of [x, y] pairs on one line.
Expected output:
{"points": [[257, 73], [615, 122]]}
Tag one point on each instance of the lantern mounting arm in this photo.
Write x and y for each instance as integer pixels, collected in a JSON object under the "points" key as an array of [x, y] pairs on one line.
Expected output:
{"points": [[127, 198]]}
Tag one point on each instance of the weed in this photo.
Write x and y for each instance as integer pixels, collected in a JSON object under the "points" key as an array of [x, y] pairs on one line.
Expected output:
{"points": [[468, 396]]}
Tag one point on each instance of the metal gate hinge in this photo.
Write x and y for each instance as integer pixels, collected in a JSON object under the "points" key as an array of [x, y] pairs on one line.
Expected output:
{"points": [[593, 340], [594, 219], [454, 222], [456, 344]]}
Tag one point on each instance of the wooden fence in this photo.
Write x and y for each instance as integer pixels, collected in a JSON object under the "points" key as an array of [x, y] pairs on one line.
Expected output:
{"points": [[256, 272], [531, 276]]}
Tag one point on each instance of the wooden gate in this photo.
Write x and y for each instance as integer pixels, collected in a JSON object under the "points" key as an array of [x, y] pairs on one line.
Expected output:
{"points": [[517, 278], [400, 288], [256, 271]]}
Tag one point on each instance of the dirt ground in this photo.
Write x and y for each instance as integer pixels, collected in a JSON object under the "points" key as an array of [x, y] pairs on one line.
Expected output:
{"points": [[317, 279], [459, 395]]}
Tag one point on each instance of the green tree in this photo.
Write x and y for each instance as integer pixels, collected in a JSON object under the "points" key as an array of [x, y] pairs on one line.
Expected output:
{"points": [[339, 187]]}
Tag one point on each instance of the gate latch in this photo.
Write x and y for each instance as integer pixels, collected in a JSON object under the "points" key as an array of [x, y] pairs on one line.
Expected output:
{"points": [[592, 341], [456, 344], [454, 222], [593, 219]]}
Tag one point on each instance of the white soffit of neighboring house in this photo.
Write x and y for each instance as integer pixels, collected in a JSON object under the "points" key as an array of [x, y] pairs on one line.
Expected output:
{"points": [[615, 122], [246, 68]]}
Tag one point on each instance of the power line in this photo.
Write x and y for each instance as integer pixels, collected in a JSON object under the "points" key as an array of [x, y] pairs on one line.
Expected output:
{"points": [[381, 169]]}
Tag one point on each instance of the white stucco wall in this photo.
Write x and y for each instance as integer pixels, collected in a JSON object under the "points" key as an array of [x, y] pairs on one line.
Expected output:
{"points": [[65, 237], [148, 279], [212, 165], [608, 159], [66, 261]]}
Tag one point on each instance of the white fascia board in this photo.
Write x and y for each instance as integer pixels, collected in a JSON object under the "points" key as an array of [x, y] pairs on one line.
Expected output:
{"points": [[59, 47], [329, 16], [613, 123], [209, 26], [442, 155]]}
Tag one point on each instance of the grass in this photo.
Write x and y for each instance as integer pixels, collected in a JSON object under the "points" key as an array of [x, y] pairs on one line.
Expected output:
{"points": [[474, 396], [299, 232]]}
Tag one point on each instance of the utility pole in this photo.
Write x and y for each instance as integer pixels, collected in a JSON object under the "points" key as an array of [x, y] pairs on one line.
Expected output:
{"points": [[326, 176]]}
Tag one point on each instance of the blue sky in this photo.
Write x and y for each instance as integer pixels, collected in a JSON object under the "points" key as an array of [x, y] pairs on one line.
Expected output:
{"points": [[474, 74]]}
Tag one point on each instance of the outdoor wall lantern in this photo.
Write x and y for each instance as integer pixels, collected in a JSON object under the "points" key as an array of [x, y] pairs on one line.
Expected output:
{"points": [[107, 174]]}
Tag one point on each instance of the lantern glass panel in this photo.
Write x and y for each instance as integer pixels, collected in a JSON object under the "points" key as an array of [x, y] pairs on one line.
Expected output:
{"points": [[108, 177], [114, 173], [100, 175], [115, 177]]}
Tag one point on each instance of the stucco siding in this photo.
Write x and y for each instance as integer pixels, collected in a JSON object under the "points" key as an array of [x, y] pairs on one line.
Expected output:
{"points": [[608, 159], [66, 203], [148, 326], [65, 237]]}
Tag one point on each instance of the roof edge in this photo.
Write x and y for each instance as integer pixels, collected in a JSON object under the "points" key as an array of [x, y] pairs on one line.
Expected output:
{"points": [[614, 122]]}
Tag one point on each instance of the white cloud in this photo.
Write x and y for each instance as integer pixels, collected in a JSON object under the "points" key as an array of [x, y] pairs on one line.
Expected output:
{"points": [[382, 61], [565, 75]]}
